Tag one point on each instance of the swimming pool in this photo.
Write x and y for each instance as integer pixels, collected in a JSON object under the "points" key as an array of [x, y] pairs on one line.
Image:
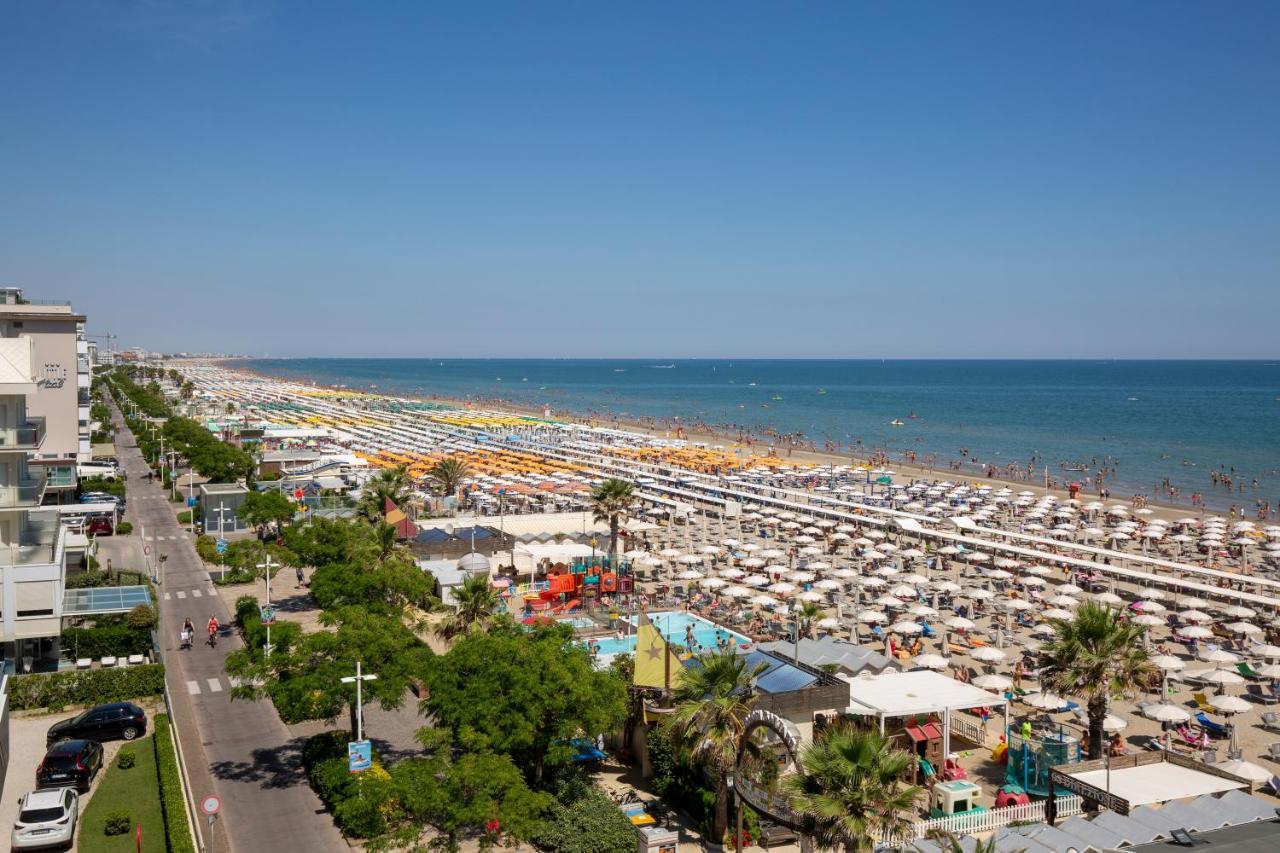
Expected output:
{"points": [[577, 622], [674, 626]]}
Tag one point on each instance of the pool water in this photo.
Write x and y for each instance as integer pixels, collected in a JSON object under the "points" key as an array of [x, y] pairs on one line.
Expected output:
{"points": [[673, 626]]}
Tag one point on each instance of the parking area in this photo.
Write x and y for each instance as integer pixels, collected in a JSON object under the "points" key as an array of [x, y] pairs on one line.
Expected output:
{"points": [[26, 748]]}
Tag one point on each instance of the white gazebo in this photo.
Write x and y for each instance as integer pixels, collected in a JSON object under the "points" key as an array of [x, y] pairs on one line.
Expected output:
{"points": [[907, 694]]}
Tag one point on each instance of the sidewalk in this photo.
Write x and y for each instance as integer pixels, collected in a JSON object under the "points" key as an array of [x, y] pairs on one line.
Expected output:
{"points": [[240, 751]]}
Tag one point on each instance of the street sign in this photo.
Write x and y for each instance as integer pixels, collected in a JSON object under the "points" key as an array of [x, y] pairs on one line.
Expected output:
{"points": [[359, 755], [191, 501], [211, 805], [222, 546], [268, 615]]}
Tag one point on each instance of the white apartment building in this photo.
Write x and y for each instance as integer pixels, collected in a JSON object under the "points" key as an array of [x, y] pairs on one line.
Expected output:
{"points": [[32, 540]]}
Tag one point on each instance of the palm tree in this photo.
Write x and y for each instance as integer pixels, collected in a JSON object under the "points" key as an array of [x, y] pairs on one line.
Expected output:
{"points": [[474, 602], [712, 704], [448, 475], [610, 501], [806, 614], [848, 787], [388, 484], [1097, 655], [952, 844]]}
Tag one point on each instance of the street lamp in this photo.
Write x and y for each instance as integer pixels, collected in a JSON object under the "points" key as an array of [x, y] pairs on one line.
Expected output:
{"points": [[267, 611], [358, 678]]}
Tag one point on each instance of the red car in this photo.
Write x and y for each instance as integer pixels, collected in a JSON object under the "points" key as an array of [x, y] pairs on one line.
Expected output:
{"points": [[100, 525]]}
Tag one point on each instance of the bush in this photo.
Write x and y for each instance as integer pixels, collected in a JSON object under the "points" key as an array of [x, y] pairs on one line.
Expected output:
{"points": [[114, 639], [590, 824], [207, 548], [284, 635], [101, 484], [142, 616], [96, 578], [57, 690], [124, 528], [360, 802], [126, 759], [184, 517], [118, 823], [172, 800]]}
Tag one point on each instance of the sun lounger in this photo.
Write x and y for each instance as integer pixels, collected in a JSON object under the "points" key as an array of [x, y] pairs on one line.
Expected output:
{"points": [[1255, 693], [1247, 671], [1273, 752], [1202, 703], [1213, 727], [1271, 720]]}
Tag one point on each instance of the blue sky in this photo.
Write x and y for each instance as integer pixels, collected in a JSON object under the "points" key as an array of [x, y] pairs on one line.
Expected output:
{"points": [[578, 179]]}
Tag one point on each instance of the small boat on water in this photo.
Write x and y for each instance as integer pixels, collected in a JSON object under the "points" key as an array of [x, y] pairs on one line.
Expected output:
{"points": [[663, 366], [897, 422], [776, 397], [822, 390]]}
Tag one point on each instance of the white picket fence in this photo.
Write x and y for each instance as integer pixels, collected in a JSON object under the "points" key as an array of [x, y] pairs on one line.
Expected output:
{"points": [[972, 823]]}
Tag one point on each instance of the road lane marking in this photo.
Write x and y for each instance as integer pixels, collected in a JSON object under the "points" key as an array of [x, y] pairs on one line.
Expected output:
{"points": [[193, 687], [215, 686], [195, 593], [180, 594]]}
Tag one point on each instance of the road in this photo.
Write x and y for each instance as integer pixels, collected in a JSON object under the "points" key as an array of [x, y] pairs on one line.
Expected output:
{"points": [[241, 751]]}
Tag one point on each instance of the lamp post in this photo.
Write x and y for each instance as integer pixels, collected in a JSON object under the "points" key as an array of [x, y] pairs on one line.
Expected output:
{"points": [[266, 577], [358, 678]]}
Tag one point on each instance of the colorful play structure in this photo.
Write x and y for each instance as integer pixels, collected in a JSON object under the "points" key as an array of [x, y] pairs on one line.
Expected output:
{"points": [[573, 587], [1028, 762]]}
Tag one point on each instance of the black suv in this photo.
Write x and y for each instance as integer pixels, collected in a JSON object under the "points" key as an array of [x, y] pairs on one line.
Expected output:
{"points": [[102, 722], [70, 762]]}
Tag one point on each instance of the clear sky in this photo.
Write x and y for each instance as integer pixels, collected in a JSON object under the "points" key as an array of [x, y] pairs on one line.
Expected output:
{"points": [[738, 179]]}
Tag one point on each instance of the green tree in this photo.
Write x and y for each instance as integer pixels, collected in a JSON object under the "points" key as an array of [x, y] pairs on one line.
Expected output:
{"points": [[611, 501], [263, 508], [807, 613], [305, 682], [474, 603], [712, 705], [848, 788], [324, 541], [459, 791], [1096, 655], [389, 484], [448, 474], [524, 693]]}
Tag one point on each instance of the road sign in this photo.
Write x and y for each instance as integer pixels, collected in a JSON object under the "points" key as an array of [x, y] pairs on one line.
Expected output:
{"points": [[222, 546], [359, 755], [268, 615], [211, 805]]}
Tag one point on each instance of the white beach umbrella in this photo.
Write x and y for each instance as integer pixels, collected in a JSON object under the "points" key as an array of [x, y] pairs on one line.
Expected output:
{"points": [[1195, 616], [1218, 676], [930, 660], [1069, 589], [764, 601], [1112, 723], [828, 583], [923, 610], [1063, 601], [755, 580], [809, 595], [689, 575], [1167, 713], [1045, 701], [1227, 704], [905, 628], [712, 583], [739, 592], [1243, 628], [993, 681], [981, 594], [689, 559], [1045, 629], [872, 617], [1058, 613], [781, 588], [1264, 650], [1168, 663], [1218, 656], [1147, 620], [1196, 632], [960, 623], [872, 582], [731, 573], [1245, 770], [987, 654], [889, 601], [1108, 598]]}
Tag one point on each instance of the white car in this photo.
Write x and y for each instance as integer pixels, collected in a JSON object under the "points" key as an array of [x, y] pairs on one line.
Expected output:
{"points": [[46, 819]]}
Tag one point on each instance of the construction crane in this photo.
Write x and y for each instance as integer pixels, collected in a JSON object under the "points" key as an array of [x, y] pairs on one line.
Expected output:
{"points": [[108, 337]]}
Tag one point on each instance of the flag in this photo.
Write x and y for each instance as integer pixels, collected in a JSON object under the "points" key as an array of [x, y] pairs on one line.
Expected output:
{"points": [[656, 664]]}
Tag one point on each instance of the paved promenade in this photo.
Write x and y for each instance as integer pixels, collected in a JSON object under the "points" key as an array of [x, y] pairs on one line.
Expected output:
{"points": [[240, 751]]}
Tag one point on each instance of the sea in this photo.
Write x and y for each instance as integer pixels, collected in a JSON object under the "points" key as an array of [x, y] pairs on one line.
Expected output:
{"points": [[1142, 422]]}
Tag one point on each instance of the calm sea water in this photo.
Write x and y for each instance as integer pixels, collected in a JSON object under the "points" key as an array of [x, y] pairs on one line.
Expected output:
{"points": [[1154, 419]]}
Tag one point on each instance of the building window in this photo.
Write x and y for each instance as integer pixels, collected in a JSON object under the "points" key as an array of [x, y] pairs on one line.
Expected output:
{"points": [[34, 598]]}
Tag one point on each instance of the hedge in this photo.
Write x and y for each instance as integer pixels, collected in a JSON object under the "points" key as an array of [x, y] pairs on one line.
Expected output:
{"points": [[590, 824], [97, 642], [56, 690], [173, 803]]}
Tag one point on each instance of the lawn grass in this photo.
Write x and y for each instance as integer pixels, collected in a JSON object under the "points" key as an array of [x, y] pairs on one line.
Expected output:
{"points": [[134, 790]]}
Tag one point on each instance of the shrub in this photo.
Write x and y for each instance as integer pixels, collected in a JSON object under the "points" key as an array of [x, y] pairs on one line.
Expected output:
{"points": [[172, 801], [117, 640], [207, 548], [100, 484], [118, 823], [126, 759], [124, 528], [592, 823], [184, 517], [143, 616], [283, 634], [95, 578], [56, 690], [360, 803]]}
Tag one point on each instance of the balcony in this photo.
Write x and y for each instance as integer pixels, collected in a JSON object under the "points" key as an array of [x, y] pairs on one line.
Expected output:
{"points": [[39, 544], [61, 476], [25, 436], [26, 493]]}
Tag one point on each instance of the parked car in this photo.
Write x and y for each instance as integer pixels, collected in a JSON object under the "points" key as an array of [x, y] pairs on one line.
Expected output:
{"points": [[89, 470], [102, 722], [46, 819], [100, 525], [70, 762]]}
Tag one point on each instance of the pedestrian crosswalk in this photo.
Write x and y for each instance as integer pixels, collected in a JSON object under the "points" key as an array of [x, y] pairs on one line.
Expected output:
{"points": [[223, 683], [183, 594]]}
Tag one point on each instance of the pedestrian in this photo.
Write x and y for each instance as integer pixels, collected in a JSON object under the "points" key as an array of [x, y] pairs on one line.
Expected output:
{"points": [[300, 577]]}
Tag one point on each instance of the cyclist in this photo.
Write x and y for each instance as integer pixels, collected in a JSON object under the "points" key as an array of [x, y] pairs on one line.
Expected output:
{"points": [[213, 630]]}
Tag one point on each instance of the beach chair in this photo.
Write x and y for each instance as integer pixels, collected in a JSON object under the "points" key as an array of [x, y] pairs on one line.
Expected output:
{"points": [[1271, 720], [1257, 694], [1202, 704], [1273, 752], [1214, 728], [1272, 786], [1247, 671]]}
